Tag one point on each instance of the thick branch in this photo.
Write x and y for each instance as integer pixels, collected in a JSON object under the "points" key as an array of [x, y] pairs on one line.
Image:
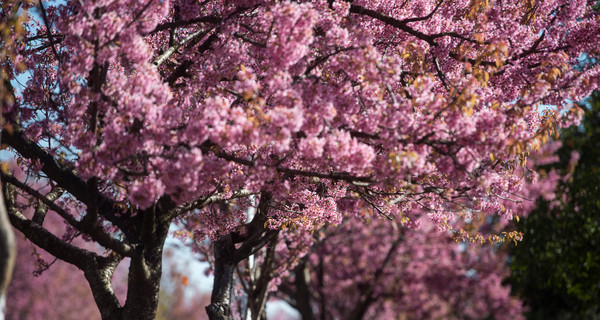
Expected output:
{"points": [[148, 226], [42, 207], [256, 226], [63, 176], [255, 243], [392, 22], [44, 238], [259, 294], [142, 289], [534, 46], [340, 176], [170, 51], [437, 6], [257, 238], [97, 270], [94, 230], [227, 258], [146, 265], [474, 62], [54, 170], [181, 70], [440, 74], [325, 57], [98, 273]]}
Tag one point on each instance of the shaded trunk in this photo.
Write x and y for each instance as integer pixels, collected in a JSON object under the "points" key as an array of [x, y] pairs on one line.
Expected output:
{"points": [[303, 295], [142, 289], [220, 301], [227, 257], [145, 269]]}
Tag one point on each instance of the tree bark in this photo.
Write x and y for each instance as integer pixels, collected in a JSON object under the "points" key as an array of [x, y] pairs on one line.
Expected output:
{"points": [[142, 289], [8, 252], [145, 269], [220, 301], [302, 282]]}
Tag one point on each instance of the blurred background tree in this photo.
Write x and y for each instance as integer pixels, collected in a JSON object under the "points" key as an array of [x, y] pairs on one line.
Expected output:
{"points": [[556, 268]]}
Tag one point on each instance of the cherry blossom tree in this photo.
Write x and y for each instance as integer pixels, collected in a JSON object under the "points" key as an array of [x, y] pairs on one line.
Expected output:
{"points": [[370, 268], [45, 288], [376, 270], [140, 114]]}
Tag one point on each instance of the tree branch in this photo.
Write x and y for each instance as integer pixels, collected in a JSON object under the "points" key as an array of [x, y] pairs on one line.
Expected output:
{"points": [[392, 22], [42, 207], [437, 6], [8, 254], [254, 243], [48, 29], [177, 24], [302, 294], [171, 50], [341, 176], [98, 273], [203, 202], [44, 238], [94, 230], [259, 294], [63, 176]]}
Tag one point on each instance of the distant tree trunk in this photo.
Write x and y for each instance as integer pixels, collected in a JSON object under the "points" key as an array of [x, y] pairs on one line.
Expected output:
{"points": [[227, 258], [7, 255], [303, 294]]}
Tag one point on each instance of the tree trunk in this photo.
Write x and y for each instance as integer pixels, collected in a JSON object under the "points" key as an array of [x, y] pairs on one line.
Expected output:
{"points": [[145, 269], [220, 301], [303, 303], [8, 252], [142, 290]]}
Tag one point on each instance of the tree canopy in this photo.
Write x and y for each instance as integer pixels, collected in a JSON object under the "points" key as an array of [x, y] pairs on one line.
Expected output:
{"points": [[257, 123]]}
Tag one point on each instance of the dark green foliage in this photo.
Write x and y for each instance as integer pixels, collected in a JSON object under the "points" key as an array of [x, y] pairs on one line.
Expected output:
{"points": [[556, 268]]}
